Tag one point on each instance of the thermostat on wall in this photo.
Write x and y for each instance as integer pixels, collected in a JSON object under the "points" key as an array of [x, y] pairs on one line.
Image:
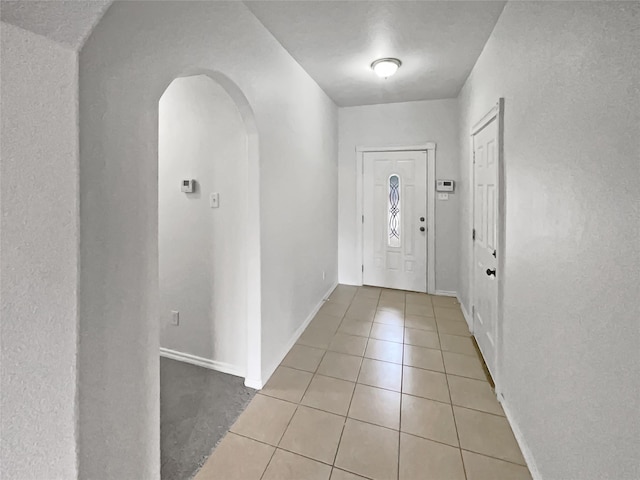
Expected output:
{"points": [[188, 186], [445, 185]]}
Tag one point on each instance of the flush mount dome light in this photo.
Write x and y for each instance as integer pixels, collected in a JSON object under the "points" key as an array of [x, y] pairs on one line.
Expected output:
{"points": [[385, 67]]}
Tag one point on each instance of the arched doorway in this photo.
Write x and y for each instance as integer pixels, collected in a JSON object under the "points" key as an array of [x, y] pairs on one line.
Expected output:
{"points": [[203, 266], [228, 159]]}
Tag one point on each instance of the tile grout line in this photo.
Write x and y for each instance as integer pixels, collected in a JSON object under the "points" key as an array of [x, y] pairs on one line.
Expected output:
{"points": [[402, 393], [404, 309], [474, 355], [495, 458], [275, 449], [344, 425], [289, 422], [386, 390], [294, 412], [354, 383], [404, 315], [315, 372], [284, 450], [390, 341], [455, 423], [299, 402], [376, 425]]}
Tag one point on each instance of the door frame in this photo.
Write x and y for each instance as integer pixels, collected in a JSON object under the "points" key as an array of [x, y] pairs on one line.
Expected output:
{"points": [[430, 149], [496, 112]]}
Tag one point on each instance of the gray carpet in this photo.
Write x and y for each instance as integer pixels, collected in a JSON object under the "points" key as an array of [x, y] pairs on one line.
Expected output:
{"points": [[197, 407]]}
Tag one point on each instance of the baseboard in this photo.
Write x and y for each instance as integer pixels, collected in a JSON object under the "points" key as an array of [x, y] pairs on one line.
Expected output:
{"points": [[524, 448], [446, 293], [202, 362], [294, 337], [466, 315]]}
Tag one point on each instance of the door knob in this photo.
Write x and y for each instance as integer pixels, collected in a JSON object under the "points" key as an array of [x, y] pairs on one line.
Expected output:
{"points": [[422, 219], [491, 272], [422, 229]]}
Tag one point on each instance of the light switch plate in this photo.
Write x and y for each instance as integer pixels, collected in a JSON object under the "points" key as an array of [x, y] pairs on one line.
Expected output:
{"points": [[214, 200], [443, 196], [175, 317]]}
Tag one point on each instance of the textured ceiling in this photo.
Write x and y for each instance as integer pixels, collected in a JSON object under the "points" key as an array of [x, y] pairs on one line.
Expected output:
{"points": [[68, 22], [336, 41]]}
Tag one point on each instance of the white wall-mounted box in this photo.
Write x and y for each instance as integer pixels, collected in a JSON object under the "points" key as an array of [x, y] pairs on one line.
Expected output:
{"points": [[445, 185], [188, 186]]}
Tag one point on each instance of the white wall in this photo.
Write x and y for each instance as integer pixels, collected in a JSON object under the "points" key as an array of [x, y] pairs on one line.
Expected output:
{"points": [[132, 55], [202, 251], [38, 257], [569, 74], [400, 124]]}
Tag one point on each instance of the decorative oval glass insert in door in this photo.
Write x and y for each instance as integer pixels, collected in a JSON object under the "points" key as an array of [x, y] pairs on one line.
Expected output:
{"points": [[394, 211]]}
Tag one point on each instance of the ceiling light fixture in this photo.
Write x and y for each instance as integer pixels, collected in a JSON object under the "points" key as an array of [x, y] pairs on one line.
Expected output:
{"points": [[385, 67]]}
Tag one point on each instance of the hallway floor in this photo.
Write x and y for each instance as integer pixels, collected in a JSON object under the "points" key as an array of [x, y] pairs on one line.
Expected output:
{"points": [[382, 385], [197, 407]]}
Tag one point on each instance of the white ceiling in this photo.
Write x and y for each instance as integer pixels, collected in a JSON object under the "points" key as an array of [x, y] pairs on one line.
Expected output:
{"points": [[68, 22], [334, 41], [438, 43]]}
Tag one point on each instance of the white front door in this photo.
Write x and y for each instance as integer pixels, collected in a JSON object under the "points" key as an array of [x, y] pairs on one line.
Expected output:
{"points": [[485, 208], [395, 220]]}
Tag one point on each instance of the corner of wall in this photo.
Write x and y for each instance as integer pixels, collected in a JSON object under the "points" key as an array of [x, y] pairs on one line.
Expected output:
{"points": [[522, 443], [268, 371]]}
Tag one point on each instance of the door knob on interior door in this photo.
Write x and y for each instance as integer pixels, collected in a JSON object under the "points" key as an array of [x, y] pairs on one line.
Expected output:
{"points": [[422, 219], [422, 229], [491, 272]]}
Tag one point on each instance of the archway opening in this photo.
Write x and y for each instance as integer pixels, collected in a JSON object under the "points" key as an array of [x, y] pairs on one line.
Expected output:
{"points": [[205, 267]]}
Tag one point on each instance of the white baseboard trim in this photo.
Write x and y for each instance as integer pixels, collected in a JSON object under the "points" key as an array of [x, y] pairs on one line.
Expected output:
{"points": [[446, 293], [524, 447], [466, 314], [202, 362], [294, 337]]}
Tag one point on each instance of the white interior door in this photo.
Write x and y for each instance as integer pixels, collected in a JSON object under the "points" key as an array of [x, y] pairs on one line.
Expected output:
{"points": [[485, 224], [395, 220]]}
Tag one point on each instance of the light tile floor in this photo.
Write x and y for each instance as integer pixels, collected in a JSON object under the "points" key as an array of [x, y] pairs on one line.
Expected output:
{"points": [[382, 385]]}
